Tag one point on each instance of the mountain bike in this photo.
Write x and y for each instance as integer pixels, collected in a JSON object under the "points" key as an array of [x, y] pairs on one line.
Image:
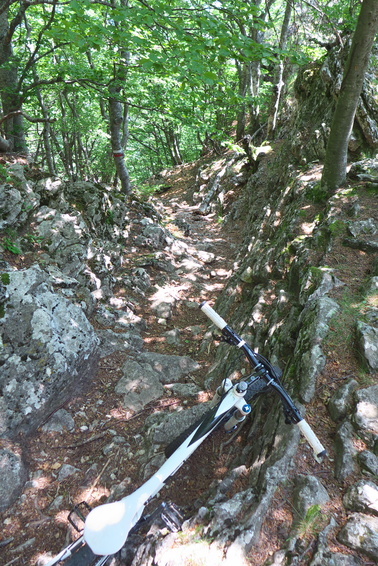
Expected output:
{"points": [[108, 526]]}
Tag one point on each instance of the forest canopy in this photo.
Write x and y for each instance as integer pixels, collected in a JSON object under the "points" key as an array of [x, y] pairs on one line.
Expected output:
{"points": [[98, 89]]}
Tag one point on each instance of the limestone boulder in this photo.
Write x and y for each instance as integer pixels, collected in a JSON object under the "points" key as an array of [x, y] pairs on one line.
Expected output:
{"points": [[48, 349]]}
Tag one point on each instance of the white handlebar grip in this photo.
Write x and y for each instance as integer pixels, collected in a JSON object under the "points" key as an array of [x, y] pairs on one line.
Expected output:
{"points": [[312, 439], [213, 316]]}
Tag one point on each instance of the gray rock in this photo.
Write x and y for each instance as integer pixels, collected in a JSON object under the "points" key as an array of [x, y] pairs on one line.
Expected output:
{"points": [[308, 354], [141, 281], [13, 475], [49, 348], [111, 342], [66, 238], [366, 167], [368, 461], [366, 415], [206, 257], [71, 228], [195, 330], [17, 201], [59, 422], [369, 226], [313, 362], [362, 496], [308, 492], [369, 246], [175, 423], [163, 309], [172, 336], [170, 369], [324, 557], [371, 315], [371, 286], [144, 377], [237, 537], [139, 385], [278, 559], [340, 403], [328, 558], [367, 341], [66, 470], [119, 316], [345, 452], [156, 235], [361, 533], [323, 279], [184, 389], [231, 507], [227, 484]]}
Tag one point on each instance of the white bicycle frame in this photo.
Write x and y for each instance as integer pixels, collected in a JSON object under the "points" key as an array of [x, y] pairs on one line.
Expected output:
{"points": [[107, 526]]}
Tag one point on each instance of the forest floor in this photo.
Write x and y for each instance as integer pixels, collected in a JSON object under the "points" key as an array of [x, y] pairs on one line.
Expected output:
{"points": [[37, 523]]}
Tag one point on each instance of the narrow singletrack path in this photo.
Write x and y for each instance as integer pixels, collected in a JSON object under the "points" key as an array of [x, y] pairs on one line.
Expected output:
{"points": [[95, 448]]}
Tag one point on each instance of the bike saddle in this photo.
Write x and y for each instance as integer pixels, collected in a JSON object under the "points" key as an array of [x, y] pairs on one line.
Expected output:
{"points": [[107, 526]]}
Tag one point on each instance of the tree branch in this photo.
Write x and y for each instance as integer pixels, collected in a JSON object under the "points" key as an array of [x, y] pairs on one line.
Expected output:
{"points": [[26, 116]]}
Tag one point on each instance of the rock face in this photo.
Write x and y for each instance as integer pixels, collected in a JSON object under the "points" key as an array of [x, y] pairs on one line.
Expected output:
{"points": [[145, 376], [308, 492], [340, 403], [361, 533], [367, 337], [366, 415], [49, 349], [316, 88], [13, 475], [362, 496]]}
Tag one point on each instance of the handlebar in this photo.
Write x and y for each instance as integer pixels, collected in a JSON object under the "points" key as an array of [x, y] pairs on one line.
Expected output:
{"points": [[291, 410], [213, 316]]}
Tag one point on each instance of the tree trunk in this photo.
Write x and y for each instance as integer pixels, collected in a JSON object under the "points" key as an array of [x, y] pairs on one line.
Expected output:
{"points": [[10, 99], [244, 77], [118, 114], [172, 143], [278, 79], [254, 71], [116, 121], [334, 171], [46, 134]]}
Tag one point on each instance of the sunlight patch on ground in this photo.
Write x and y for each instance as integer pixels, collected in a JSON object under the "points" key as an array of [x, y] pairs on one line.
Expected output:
{"points": [[200, 552], [307, 227]]}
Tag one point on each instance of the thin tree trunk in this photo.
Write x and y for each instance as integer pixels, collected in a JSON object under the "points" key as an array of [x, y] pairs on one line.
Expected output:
{"points": [[118, 116], [278, 81], [334, 171], [10, 99], [242, 91], [46, 135], [116, 120], [66, 154]]}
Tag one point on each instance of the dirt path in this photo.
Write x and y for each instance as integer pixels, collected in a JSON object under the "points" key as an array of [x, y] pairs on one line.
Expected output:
{"points": [[87, 461]]}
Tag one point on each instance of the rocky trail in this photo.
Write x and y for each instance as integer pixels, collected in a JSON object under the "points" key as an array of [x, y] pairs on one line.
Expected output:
{"points": [[92, 447], [256, 498]]}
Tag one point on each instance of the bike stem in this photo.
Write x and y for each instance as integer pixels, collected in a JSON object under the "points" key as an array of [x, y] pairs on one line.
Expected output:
{"points": [[261, 371], [291, 410]]}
